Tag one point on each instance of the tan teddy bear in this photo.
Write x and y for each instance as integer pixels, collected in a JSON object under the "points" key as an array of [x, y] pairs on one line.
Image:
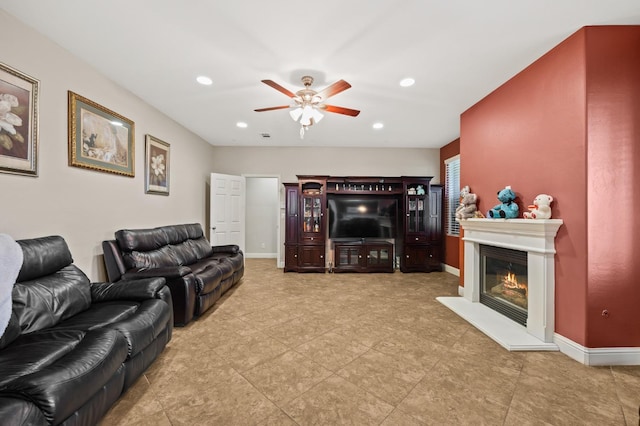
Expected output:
{"points": [[541, 208], [467, 208]]}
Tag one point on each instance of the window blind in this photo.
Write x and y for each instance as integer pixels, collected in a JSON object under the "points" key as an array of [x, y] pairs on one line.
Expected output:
{"points": [[452, 194]]}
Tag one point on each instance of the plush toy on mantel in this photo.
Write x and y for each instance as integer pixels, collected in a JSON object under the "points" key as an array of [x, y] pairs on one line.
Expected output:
{"points": [[467, 208], [541, 208], [508, 209]]}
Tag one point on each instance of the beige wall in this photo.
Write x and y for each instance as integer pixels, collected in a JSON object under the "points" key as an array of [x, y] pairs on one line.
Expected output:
{"points": [[289, 162], [84, 206]]}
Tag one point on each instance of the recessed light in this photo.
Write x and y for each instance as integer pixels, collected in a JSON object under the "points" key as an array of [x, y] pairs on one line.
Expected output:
{"points": [[241, 124], [378, 126], [406, 82], [204, 80]]}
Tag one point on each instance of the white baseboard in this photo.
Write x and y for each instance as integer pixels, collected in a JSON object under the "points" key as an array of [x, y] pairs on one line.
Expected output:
{"points": [[460, 291], [261, 255], [597, 356], [451, 270]]}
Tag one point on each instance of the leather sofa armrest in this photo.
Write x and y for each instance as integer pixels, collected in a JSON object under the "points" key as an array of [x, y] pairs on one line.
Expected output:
{"points": [[165, 271], [229, 248], [143, 289]]}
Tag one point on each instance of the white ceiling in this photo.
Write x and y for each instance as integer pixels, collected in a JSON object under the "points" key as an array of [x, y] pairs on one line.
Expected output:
{"points": [[458, 51]]}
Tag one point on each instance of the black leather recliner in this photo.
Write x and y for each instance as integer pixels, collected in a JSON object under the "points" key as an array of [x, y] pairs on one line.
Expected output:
{"points": [[73, 347], [197, 273]]}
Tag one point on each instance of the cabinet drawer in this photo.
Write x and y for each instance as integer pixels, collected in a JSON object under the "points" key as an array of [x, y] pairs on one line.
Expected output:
{"points": [[312, 240], [416, 239]]}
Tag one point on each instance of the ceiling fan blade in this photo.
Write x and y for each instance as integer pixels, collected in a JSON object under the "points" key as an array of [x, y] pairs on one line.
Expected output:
{"points": [[334, 89], [341, 110], [278, 88], [272, 108]]}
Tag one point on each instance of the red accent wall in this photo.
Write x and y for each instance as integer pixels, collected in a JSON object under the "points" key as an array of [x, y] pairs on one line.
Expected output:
{"points": [[451, 244], [613, 185], [568, 126]]}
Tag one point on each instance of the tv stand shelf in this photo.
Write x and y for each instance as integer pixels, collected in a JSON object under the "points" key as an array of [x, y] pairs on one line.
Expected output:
{"points": [[363, 256]]}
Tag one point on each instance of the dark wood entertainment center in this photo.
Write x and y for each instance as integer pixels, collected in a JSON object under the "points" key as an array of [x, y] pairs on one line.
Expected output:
{"points": [[416, 229]]}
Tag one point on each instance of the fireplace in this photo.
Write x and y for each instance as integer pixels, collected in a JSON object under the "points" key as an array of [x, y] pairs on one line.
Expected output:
{"points": [[503, 281], [504, 261]]}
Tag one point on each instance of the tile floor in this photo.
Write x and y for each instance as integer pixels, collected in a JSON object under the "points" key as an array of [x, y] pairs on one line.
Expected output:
{"points": [[361, 349]]}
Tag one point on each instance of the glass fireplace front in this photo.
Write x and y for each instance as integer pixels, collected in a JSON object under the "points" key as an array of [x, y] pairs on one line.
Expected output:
{"points": [[503, 281]]}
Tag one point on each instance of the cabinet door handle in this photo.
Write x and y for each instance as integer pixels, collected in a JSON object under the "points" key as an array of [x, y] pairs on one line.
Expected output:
{"points": [[407, 256], [321, 257], [416, 238]]}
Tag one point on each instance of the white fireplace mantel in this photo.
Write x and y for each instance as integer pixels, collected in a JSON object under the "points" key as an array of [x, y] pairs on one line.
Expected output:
{"points": [[537, 238]]}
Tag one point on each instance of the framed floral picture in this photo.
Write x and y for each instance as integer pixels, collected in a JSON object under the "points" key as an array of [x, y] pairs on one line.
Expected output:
{"points": [[156, 165], [100, 139], [18, 122]]}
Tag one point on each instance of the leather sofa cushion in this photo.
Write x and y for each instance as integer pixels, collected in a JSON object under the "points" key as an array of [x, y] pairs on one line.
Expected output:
{"points": [[43, 256], [182, 232], [45, 301], [142, 328], [51, 368], [141, 239], [164, 256], [207, 277], [100, 315], [200, 247], [140, 323], [236, 261], [21, 412]]}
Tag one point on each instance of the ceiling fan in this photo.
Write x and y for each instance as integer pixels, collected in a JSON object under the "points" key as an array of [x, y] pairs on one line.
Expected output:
{"points": [[308, 102]]}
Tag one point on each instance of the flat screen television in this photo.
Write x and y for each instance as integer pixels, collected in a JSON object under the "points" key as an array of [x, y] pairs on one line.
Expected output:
{"points": [[362, 217]]}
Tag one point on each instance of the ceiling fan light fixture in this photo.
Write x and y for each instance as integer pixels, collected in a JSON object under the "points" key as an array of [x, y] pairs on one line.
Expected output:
{"points": [[307, 115], [296, 114], [316, 115]]}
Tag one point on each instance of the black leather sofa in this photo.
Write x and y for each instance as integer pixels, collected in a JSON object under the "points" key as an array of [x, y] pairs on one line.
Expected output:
{"points": [[196, 273], [73, 347]]}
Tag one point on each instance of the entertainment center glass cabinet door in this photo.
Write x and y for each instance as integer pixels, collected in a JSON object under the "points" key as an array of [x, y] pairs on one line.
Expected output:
{"points": [[416, 247], [312, 236], [416, 217]]}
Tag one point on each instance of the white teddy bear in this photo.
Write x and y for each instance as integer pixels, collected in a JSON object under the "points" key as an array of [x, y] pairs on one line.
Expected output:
{"points": [[541, 208]]}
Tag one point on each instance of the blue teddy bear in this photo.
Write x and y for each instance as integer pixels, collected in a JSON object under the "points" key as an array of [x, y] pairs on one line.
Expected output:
{"points": [[508, 209]]}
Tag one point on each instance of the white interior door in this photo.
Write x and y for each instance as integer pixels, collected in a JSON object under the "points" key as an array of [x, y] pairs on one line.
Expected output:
{"points": [[227, 210]]}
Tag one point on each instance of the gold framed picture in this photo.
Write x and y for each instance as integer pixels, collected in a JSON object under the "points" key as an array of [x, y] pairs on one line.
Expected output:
{"points": [[100, 139], [18, 122]]}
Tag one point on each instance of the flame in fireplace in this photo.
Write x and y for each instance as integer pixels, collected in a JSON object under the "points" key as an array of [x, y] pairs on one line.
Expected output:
{"points": [[510, 282]]}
